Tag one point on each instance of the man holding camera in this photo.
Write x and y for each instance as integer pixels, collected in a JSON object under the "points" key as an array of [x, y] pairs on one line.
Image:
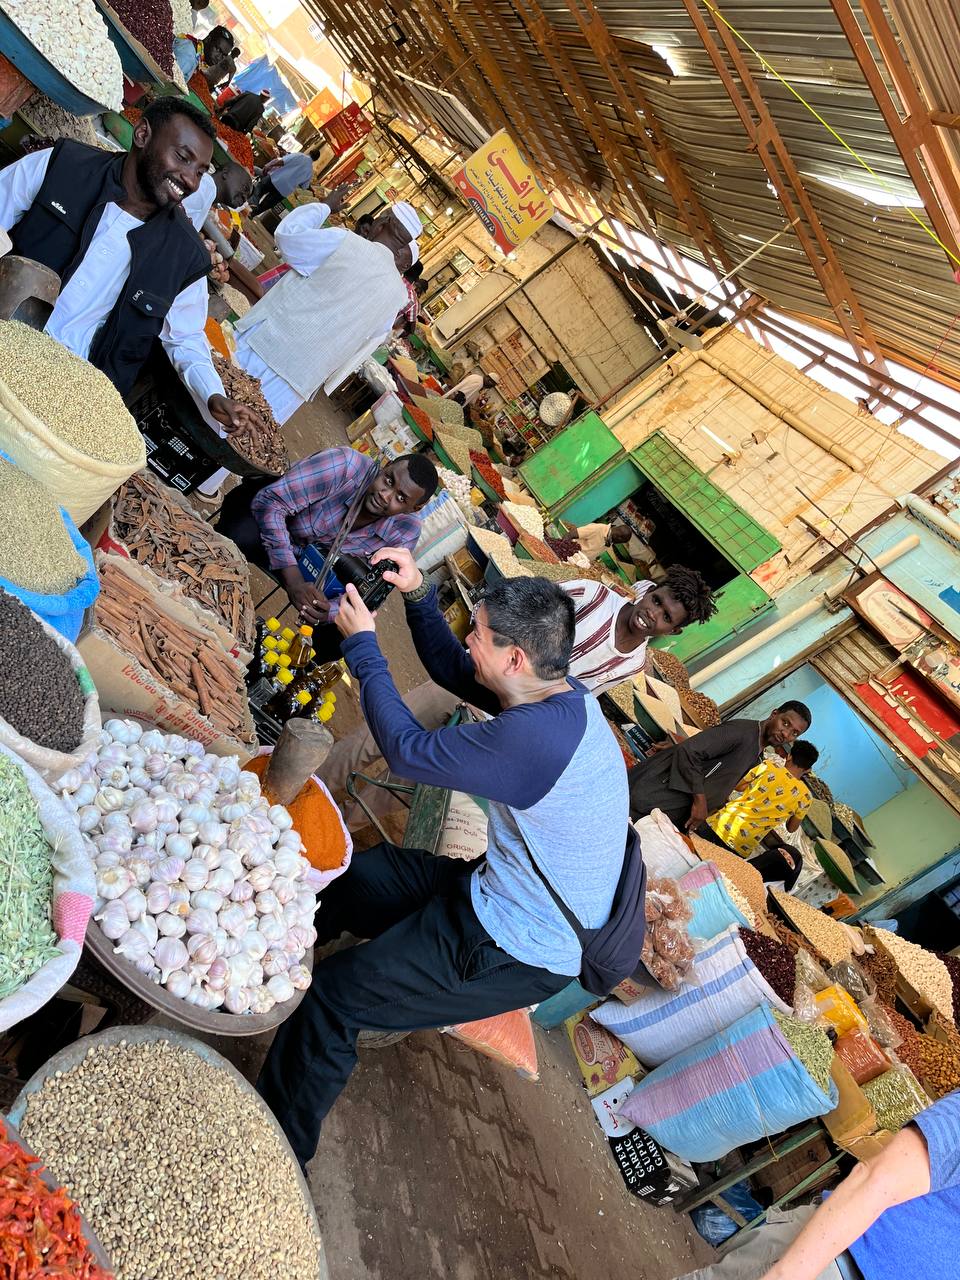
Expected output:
{"points": [[453, 941], [271, 524]]}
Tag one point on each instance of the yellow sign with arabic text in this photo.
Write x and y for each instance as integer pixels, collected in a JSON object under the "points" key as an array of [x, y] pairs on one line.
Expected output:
{"points": [[501, 187]]}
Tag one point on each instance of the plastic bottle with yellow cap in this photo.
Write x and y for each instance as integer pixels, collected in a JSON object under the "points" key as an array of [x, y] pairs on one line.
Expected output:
{"points": [[300, 647]]}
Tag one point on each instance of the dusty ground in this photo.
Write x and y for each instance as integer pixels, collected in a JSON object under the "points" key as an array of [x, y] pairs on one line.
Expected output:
{"points": [[437, 1162]]}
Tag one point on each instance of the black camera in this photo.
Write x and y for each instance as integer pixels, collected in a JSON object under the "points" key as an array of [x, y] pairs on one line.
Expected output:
{"points": [[366, 577]]}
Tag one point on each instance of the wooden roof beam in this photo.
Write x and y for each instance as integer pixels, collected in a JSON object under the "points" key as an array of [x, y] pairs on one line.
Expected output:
{"points": [[916, 137], [768, 142], [635, 102]]}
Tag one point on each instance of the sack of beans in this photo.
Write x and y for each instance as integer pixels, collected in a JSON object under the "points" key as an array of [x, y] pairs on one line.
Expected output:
{"points": [[722, 986], [63, 421], [740, 1085], [713, 910], [43, 559], [48, 892], [49, 709]]}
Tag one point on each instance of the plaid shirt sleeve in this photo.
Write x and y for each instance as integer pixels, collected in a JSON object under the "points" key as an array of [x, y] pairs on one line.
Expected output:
{"points": [[312, 480]]}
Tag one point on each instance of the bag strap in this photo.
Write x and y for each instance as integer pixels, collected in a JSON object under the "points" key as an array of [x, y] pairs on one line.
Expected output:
{"points": [[565, 911]]}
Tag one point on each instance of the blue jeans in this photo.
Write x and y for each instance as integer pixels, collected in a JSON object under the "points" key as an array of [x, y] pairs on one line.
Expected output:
{"points": [[429, 963]]}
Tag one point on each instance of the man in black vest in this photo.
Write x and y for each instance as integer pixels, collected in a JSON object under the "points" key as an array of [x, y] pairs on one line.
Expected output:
{"points": [[132, 267]]}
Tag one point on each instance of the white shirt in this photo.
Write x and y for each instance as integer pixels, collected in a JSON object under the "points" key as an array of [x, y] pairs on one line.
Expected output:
{"points": [[90, 294], [595, 658], [198, 205], [305, 244], [469, 387]]}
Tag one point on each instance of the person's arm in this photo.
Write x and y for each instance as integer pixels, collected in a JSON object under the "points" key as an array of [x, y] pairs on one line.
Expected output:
{"points": [[20, 184], [189, 352], [444, 658], [511, 759], [694, 761], [302, 240], [900, 1172]]}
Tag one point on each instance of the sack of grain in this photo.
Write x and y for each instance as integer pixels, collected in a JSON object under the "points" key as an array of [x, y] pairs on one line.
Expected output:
{"points": [[74, 891], [63, 421], [724, 985], [713, 908], [741, 1085], [48, 762], [43, 559]]}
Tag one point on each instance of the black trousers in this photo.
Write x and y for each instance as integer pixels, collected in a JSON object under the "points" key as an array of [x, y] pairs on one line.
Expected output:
{"points": [[429, 963], [238, 523], [264, 198]]}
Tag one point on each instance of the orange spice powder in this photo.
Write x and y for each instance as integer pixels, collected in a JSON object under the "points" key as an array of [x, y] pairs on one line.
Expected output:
{"points": [[315, 818]]}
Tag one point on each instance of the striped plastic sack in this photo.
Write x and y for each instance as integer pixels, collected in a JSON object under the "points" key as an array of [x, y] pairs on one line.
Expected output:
{"points": [[724, 985], [713, 908], [740, 1085]]}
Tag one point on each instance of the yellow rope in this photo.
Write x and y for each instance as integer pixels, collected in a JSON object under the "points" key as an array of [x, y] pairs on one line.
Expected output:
{"points": [[767, 66]]}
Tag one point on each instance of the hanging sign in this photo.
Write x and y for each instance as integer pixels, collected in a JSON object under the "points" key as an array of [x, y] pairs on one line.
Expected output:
{"points": [[321, 108], [346, 128], [504, 192]]}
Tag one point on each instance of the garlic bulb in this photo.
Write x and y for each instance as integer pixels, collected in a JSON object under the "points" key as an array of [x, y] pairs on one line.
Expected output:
{"points": [[275, 962], [202, 948], [134, 902], [113, 882], [178, 983], [169, 954], [262, 1000], [236, 999], [113, 919], [280, 987], [168, 869], [201, 920], [158, 897], [300, 976], [194, 874], [133, 945], [171, 926], [207, 899], [262, 877]]}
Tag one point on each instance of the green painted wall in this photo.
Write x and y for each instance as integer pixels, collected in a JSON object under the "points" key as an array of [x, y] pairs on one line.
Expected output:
{"points": [[911, 831]]}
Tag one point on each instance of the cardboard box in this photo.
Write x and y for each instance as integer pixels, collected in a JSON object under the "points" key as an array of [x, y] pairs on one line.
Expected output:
{"points": [[853, 1116], [869, 1146], [649, 1172], [602, 1058], [606, 1107], [126, 688], [784, 1174]]}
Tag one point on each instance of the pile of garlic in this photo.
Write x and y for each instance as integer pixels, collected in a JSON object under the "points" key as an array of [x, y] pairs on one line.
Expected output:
{"points": [[200, 881], [458, 487], [73, 36]]}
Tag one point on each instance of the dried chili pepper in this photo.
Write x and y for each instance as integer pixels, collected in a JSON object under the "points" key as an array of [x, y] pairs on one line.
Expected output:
{"points": [[41, 1233], [488, 472]]}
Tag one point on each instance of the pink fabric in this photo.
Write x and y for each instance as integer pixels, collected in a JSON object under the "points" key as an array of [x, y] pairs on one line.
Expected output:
{"points": [[734, 1065], [71, 914]]}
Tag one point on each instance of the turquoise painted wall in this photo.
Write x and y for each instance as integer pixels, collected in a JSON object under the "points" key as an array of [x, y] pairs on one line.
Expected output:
{"points": [[923, 573], [912, 830]]}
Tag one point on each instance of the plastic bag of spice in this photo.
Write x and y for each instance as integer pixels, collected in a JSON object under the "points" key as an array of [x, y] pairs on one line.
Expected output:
{"points": [[811, 979], [880, 1025], [852, 978], [862, 1056]]}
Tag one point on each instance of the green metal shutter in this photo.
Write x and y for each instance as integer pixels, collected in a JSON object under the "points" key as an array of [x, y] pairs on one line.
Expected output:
{"points": [[716, 515]]}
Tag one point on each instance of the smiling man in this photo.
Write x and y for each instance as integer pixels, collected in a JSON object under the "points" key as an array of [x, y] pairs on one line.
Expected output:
{"points": [[131, 265], [272, 524], [693, 779]]}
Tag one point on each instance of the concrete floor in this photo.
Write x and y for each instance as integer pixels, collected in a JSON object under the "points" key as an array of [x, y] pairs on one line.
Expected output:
{"points": [[437, 1162]]}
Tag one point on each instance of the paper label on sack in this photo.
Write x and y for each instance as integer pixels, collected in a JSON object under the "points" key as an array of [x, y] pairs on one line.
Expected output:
{"points": [[606, 1107], [602, 1058]]}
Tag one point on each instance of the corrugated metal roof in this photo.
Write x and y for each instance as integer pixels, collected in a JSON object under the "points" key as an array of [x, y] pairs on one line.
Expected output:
{"points": [[899, 275]]}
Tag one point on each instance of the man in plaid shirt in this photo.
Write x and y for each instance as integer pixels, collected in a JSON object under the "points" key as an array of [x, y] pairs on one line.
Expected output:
{"points": [[271, 524]]}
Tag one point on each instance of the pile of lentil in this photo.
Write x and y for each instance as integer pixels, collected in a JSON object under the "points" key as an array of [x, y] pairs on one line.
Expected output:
{"points": [[264, 446], [71, 398], [39, 693], [669, 668], [36, 551], [896, 1097], [441, 410], [776, 962], [27, 939], [824, 934], [810, 1044], [176, 1168]]}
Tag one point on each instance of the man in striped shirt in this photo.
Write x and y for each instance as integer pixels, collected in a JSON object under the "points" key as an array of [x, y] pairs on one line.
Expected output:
{"points": [[612, 632]]}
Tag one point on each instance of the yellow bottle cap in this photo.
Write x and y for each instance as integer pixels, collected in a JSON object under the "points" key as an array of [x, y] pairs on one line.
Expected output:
{"points": [[288, 633], [284, 660], [325, 712], [330, 696], [273, 624], [303, 697], [283, 645], [284, 677], [313, 653], [270, 642], [271, 659], [306, 631]]}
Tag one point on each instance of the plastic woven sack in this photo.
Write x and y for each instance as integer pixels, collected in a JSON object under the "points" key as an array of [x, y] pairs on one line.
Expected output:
{"points": [[712, 907], [740, 1085], [725, 984], [507, 1038], [79, 483], [63, 612], [51, 764], [664, 851], [74, 889]]}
